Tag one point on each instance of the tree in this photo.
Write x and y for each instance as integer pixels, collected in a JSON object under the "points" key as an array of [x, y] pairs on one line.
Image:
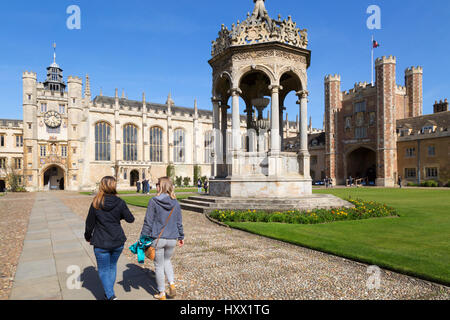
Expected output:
{"points": [[170, 172], [14, 180], [179, 181], [197, 173]]}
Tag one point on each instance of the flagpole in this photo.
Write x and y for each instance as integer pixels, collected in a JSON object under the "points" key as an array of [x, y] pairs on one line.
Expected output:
{"points": [[372, 60]]}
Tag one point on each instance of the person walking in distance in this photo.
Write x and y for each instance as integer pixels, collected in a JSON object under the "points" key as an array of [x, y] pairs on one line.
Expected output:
{"points": [[138, 186], [104, 232], [400, 181], [164, 223], [206, 186], [199, 185]]}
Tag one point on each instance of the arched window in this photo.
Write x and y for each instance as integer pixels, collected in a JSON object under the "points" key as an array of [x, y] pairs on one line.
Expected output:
{"points": [[156, 144], [209, 146], [102, 142], [179, 146], [130, 139]]}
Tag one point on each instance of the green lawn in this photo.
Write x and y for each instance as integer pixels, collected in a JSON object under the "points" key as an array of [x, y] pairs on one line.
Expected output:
{"points": [[142, 201], [178, 190], [417, 243]]}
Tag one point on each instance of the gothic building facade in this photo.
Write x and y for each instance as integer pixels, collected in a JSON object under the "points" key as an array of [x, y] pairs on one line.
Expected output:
{"points": [[363, 125], [378, 133], [69, 140]]}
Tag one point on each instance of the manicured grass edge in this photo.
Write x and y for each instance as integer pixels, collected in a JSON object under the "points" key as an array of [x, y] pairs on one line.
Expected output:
{"points": [[355, 258], [144, 203]]}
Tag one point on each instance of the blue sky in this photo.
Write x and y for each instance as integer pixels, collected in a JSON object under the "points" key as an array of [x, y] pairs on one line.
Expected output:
{"points": [[161, 46]]}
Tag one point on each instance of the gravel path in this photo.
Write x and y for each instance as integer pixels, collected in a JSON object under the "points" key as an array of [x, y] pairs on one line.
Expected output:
{"points": [[15, 209], [221, 263]]}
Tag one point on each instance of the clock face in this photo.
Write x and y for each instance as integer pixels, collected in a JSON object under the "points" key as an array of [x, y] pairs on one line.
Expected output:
{"points": [[52, 119]]}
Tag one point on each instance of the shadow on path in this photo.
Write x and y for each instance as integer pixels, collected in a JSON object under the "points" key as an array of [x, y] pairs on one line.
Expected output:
{"points": [[136, 277], [91, 281]]}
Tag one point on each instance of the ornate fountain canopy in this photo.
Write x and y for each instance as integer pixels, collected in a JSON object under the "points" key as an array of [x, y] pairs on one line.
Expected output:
{"points": [[260, 28]]}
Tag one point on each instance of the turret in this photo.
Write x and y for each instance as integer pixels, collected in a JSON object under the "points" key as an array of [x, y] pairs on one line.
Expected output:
{"points": [[333, 103], [75, 92], [54, 81], [29, 80], [387, 124], [414, 91], [75, 105]]}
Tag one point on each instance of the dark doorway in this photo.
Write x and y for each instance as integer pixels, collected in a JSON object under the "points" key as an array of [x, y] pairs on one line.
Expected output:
{"points": [[2, 186], [361, 164], [54, 179], [134, 177]]}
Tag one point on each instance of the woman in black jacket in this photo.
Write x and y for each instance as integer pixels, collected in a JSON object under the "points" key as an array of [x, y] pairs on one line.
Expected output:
{"points": [[104, 232]]}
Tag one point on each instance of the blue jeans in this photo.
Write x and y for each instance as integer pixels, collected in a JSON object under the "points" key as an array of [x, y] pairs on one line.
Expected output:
{"points": [[107, 268]]}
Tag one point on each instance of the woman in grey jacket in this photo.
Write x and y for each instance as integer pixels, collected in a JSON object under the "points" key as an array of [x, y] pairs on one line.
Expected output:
{"points": [[158, 212]]}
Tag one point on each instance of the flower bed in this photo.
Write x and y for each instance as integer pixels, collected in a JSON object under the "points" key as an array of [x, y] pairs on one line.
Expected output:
{"points": [[362, 210]]}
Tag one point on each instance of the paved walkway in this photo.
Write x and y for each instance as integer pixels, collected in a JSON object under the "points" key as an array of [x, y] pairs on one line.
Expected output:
{"points": [[54, 242], [216, 263]]}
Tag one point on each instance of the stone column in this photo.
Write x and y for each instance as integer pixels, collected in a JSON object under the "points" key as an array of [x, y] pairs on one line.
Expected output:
{"points": [[275, 119], [236, 120], [304, 153], [222, 169], [216, 134], [303, 102]]}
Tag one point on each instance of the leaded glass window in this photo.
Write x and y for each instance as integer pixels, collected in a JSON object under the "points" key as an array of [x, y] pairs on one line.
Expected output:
{"points": [[209, 146], [130, 139], [179, 146], [102, 142], [156, 144]]}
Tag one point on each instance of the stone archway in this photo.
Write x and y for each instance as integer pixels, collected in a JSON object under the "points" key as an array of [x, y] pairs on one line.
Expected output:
{"points": [[361, 164], [2, 185], [53, 178]]}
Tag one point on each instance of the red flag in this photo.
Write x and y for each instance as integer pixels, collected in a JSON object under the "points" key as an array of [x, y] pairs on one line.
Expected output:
{"points": [[375, 44]]}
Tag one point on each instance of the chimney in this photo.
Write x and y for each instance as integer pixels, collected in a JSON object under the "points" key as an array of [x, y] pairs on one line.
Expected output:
{"points": [[441, 106]]}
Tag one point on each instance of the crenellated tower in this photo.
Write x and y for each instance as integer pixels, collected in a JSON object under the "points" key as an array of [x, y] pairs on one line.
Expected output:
{"points": [[30, 126], [386, 121], [333, 104], [414, 92], [74, 115]]}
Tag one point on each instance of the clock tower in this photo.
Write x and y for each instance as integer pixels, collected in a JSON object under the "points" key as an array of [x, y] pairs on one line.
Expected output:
{"points": [[52, 111]]}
